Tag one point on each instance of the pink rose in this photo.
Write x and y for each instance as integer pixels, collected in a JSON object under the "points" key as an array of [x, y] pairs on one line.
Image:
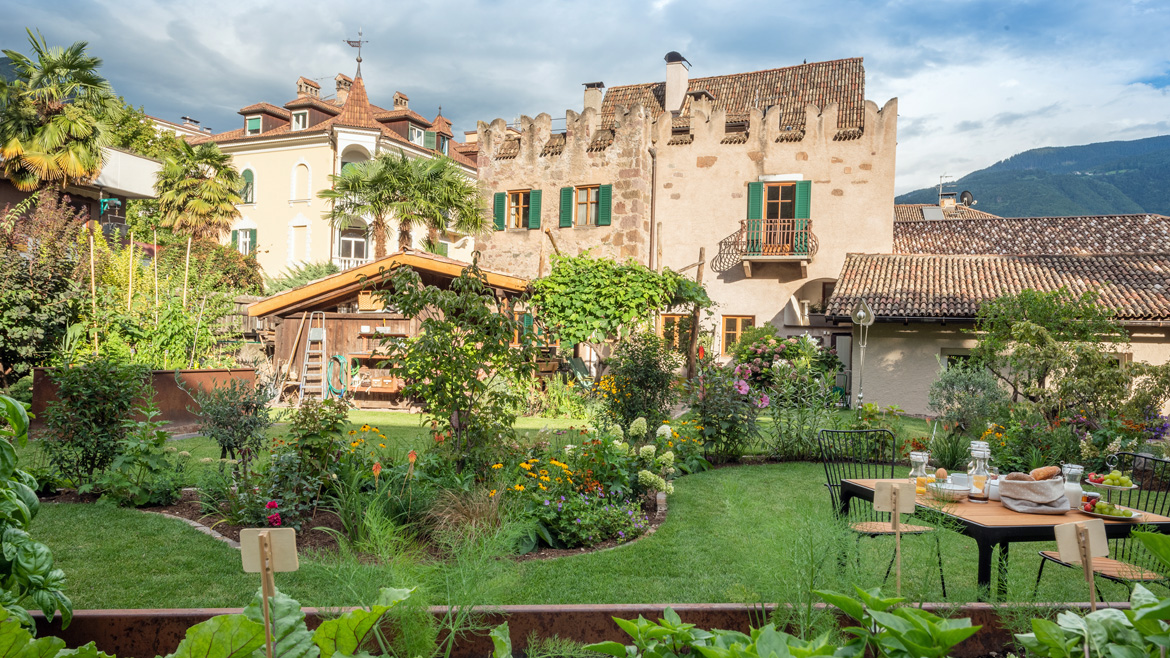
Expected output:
{"points": [[274, 519], [271, 504]]}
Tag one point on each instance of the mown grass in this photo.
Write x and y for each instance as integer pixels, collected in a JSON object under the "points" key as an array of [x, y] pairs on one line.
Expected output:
{"points": [[738, 534]]}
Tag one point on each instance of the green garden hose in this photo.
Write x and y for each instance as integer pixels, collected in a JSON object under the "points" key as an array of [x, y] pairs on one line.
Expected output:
{"points": [[345, 377]]}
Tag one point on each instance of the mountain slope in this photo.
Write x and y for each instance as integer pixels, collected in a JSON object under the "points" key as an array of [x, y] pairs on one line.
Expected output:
{"points": [[1094, 179]]}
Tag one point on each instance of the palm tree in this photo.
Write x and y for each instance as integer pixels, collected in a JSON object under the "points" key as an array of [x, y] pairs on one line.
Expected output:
{"points": [[198, 190], [51, 116], [419, 192]]}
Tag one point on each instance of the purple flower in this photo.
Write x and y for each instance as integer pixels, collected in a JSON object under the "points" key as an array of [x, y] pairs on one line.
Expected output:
{"points": [[621, 534], [741, 387], [546, 503]]}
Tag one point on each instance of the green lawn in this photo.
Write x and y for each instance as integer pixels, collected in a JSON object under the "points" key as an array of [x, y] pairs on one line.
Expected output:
{"points": [[740, 534]]}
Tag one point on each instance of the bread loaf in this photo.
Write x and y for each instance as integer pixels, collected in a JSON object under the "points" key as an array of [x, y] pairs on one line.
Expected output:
{"points": [[1045, 473], [1020, 477]]}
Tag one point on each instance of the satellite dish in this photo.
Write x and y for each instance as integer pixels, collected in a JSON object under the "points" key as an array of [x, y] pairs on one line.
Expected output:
{"points": [[862, 313], [966, 198]]}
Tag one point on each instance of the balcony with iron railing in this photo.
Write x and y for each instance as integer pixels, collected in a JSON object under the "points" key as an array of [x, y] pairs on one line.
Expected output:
{"points": [[349, 263], [768, 241]]}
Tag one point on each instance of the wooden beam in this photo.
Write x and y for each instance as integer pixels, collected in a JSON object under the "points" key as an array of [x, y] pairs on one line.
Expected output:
{"points": [[693, 345], [548, 232], [804, 269]]}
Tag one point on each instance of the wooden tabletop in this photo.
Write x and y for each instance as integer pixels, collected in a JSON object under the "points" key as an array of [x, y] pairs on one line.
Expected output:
{"points": [[994, 514]]}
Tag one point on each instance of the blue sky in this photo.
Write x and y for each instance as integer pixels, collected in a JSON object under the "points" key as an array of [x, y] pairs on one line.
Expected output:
{"points": [[976, 81]]}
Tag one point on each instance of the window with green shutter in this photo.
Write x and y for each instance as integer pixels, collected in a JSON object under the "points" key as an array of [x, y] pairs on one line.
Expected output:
{"points": [[605, 205], [534, 209], [248, 194], [499, 210], [252, 241], [803, 213], [429, 139], [252, 125], [755, 213], [235, 240], [566, 207]]}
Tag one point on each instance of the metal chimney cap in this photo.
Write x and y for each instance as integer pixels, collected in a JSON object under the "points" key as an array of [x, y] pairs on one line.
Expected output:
{"points": [[594, 85], [674, 56]]}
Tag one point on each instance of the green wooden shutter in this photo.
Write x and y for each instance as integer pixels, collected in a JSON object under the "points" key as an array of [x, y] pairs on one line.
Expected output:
{"points": [[566, 207], [254, 124], [252, 241], [534, 209], [501, 207], [604, 205], [527, 323], [235, 240], [755, 214], [429, 139], [803, 207], [803, 199]]}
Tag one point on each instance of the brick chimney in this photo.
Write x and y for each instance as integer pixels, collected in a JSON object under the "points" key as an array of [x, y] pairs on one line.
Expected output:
{"points": [[307, 88], [401, 102], [344, 82], [676, 81], [594, 92]]}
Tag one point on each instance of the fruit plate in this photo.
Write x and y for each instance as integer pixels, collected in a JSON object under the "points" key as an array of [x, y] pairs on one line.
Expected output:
{"points": [[1110, 486], [1136, 514]]}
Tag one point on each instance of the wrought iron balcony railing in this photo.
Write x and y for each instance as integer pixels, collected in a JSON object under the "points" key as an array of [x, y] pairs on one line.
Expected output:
{"points": [[776, 239]]}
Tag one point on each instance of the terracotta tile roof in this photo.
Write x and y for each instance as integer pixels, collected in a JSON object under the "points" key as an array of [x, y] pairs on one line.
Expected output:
{"points": [[912, 212], [602, 139], [442, 125], [469, 159], [308, 101], [267, 108], [390, 115], [309, 82], [555, 145], [792, 88], [465, 148], [509, 149], [1111, 234], [356, 113], [1134, 286]]}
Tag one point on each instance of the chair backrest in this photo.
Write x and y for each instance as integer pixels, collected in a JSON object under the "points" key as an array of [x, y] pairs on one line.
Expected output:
{"points": [[855, 454], [1152, 475]]}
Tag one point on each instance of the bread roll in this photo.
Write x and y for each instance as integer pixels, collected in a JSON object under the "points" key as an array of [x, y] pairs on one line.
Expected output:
{"points": [[1021, 477], [1045, 473]]}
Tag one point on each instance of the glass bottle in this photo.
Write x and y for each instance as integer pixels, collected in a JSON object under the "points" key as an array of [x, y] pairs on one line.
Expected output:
{"points": [[918, 461], [980, 478], [975, 445], [1072, 483]]}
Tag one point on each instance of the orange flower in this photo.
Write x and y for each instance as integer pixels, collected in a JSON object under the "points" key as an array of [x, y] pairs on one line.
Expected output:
{"points": [[377, 470], [412, 456]]}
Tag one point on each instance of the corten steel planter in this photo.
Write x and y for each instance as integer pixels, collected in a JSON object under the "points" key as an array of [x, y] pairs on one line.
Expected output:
{"points": [[149, 633], [175, 405]]}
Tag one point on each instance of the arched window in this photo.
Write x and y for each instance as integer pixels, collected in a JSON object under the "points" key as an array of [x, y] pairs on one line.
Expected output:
{"points": [[248, 193], [301, 182], [353, 241]]}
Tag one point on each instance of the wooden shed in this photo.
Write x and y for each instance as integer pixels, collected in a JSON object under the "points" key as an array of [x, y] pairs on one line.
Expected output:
{"points": [[354, 323]]}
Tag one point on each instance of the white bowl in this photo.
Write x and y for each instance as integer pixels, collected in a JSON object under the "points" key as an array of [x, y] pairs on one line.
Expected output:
{"points": [[946, 491]]}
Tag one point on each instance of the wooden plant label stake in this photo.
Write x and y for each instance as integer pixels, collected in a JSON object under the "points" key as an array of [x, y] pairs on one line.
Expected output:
{"points": [[266, 551], [896, 498], [1079, 543]]}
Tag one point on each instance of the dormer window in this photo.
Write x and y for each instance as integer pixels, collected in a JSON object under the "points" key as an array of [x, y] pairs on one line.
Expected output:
{"points": [[443, 144], [415, 134], [300, 120], [252, 126]]}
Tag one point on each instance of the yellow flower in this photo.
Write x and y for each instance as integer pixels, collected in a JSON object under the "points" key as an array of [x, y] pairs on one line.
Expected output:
{"points": [[352, 432], [544, 478], [519, 487], [492, 493], [543, 488], [526, 466], [497, 465], [381, 445]]}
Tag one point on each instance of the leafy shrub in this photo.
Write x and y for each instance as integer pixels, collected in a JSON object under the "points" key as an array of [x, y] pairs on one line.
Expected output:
{"points": [[558, 398], [1027, 440], [143, 473], [725, 410], [235, 415], [803, 402], [315, 433], [584, 519], [682, 439], [640, 381], [950, 450], [296, 277], [85, 425], [966, 397], [27, 570], [22, 390]]}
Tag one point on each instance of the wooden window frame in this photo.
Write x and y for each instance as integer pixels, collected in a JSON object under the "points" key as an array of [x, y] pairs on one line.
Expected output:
{"points": [[343, 240], [259, 125], [592, 205], [725, 348], [413, 130], [303, 116], [677, 318], [518, 202]]}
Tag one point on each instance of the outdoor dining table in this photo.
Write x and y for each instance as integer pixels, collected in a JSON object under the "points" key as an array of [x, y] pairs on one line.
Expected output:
{"points": [[991, 524]]}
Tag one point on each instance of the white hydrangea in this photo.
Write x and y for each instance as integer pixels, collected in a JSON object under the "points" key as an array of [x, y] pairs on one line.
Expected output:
{"points": [[663, 432], [570, 448], [666, 458], [617, 431], [638, 428], [646, 452]]}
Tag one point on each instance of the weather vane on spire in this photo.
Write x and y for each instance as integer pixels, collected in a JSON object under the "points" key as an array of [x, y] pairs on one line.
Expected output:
{"points": [[358, 44]]}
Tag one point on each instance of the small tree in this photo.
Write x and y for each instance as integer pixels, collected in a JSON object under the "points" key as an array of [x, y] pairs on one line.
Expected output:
{"points": [[966, 398], [462, 364], [640, 383]]}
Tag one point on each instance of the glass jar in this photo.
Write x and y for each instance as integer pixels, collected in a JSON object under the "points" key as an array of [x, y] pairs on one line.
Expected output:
{"points": [[975, 445], [1072, 483], [980, 479], [918, 461]]}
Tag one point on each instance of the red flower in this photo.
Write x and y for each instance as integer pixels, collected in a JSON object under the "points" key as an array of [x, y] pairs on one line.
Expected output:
{"points": [[377, 469], [412, 456], [271, 504], [274, 520]]}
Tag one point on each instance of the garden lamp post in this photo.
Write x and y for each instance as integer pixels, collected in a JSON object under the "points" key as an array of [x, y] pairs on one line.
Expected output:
{"points": [[863, 317]]}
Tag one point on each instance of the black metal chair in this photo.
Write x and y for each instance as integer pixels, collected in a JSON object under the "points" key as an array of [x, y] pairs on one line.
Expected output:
{"points": [[864, 455], [1129, 562]]}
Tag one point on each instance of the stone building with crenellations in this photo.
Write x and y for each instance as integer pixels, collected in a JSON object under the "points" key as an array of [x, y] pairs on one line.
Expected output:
{"points": [[775, 174]]}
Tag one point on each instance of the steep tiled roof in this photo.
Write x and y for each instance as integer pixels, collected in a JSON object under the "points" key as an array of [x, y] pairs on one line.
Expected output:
{"points": [[328, 107], [356, 113], [1135, 287], [467, 148], [792, 88], [1109, 234], [267, 108], [912, 212], [442, 125]]}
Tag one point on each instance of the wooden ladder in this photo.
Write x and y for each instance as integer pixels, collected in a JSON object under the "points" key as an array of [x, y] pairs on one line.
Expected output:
{"points": [[313, 363]]}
